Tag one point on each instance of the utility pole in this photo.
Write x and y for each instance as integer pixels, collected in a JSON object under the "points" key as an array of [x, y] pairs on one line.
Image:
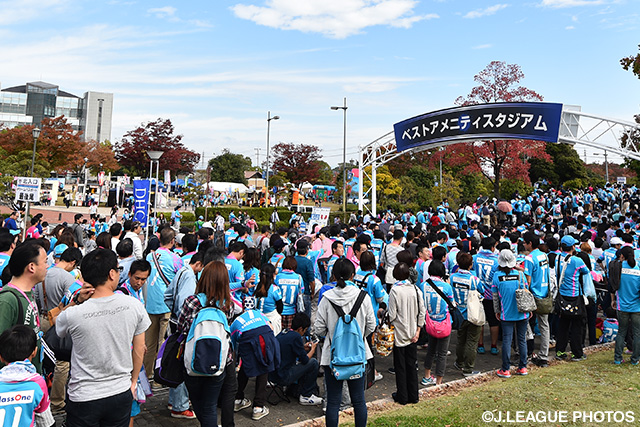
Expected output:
{"points": [[257, 156], [606, 165]]}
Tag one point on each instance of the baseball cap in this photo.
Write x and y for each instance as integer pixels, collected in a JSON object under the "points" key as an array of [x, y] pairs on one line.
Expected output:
{"points": [[568, 241], [506, 258], [59, 249], [616, 241], [179, 237]]}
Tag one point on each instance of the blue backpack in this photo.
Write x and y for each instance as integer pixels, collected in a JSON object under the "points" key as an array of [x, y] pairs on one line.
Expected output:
{"points": [[348, 355], [207, 345]]}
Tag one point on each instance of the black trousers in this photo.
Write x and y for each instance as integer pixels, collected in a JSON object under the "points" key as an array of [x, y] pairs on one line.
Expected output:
{"points": [[404, 362], [570, 330], [228, 395], [112, 411], [260, 396]]}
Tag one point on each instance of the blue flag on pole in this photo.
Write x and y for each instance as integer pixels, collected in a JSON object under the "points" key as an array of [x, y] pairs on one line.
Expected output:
{"points": [[141, 193]]}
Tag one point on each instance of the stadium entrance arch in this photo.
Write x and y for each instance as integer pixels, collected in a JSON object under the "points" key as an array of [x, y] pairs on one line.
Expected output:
{"points": [[541, 121]]}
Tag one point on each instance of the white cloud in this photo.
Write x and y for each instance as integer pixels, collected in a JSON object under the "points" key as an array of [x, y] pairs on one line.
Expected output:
{"points": [[333, 18], [491, 10], [570, 27], [163, 12], [574, 18], [482, 46], [557, 4], [25, 10], [169, 13]]}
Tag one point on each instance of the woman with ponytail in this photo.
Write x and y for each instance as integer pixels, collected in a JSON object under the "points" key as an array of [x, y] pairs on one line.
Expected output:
{"points": [[269, 297], [628, 305], [343, 295]]}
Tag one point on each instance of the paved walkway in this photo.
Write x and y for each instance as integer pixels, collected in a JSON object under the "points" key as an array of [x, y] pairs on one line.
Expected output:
{"points": [[155, 412]]}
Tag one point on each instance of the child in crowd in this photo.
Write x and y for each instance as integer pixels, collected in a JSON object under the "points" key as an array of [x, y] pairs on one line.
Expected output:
{"points": [[25, 399]]}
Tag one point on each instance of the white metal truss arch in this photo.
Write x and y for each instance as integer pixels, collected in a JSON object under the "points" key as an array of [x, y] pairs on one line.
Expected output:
{"points": [[576, 128]]}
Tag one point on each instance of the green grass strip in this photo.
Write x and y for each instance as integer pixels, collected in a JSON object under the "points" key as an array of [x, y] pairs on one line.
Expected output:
{"points": [[551, 396]]}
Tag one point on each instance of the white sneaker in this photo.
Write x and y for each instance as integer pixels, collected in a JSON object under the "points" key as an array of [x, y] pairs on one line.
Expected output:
{"points": [[239, 405], [259, 413], [378, 377], [310, 401]]}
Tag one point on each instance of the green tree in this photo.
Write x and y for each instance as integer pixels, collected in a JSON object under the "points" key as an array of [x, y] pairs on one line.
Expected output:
{"points": [[278, 180], [325, 174], [229, 167], [631, 140], [387, 187], [632, 63], [567, 162]]}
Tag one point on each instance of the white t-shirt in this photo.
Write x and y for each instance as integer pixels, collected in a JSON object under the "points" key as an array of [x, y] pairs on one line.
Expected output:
{"points": [[102, 330]]}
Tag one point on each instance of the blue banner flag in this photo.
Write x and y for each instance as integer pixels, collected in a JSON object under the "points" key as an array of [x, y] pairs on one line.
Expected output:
{"points": [[141, 192], [539, 121]]}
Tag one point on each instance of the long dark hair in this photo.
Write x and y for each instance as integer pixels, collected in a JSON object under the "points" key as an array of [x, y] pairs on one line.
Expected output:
{"points": [[251, 259], [266, 280], [343, 270], [629, 256], [214, 283]]}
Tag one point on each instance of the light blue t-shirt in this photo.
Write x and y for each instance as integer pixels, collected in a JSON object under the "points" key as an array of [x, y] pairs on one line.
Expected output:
{"points": [[437, 307], [268, 303], [505, 285], [290, 284], [20, 400], [570, 286], [236, 275], [536, 265], [374, 288], [169, 263], [4, 261], [462, 282], [628, 295], [485, 264], [250, 319], [247, 275]]}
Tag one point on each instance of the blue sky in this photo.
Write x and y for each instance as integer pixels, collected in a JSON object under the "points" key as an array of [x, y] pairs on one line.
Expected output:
{"points": [[216, 67]]}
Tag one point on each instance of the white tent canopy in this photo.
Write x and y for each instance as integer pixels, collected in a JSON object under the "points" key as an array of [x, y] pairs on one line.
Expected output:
{"points": [[230, 187]]}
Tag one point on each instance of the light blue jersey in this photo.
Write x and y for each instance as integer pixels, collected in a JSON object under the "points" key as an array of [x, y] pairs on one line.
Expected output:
{"points": [[462, 282], [290, 284], [536, 265]]}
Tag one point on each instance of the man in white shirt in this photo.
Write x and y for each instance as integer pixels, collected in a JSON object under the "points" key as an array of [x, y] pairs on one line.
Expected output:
{"points": [[107, 330], [132, 231]]}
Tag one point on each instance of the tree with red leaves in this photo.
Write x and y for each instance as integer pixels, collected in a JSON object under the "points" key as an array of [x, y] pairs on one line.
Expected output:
{"points": [[100, 153], [131, 150], [496, 159], [58, 146], [298, 161]]}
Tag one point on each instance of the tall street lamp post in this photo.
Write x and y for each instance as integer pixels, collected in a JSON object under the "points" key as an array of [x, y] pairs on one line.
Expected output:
{"points": [[344, 158], [269, 118], [84, 188], [36, 134]]}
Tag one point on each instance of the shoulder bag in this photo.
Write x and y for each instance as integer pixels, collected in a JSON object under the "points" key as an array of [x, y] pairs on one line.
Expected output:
{"points": [[457, 319], [524, 298], [568, 306]]}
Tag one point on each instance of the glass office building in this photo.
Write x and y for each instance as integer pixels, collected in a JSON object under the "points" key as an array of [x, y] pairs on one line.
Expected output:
{"points": [[31, 103]]}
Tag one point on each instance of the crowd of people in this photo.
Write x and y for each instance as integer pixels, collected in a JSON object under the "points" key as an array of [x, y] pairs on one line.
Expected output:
{"points": [[88, 309]]}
